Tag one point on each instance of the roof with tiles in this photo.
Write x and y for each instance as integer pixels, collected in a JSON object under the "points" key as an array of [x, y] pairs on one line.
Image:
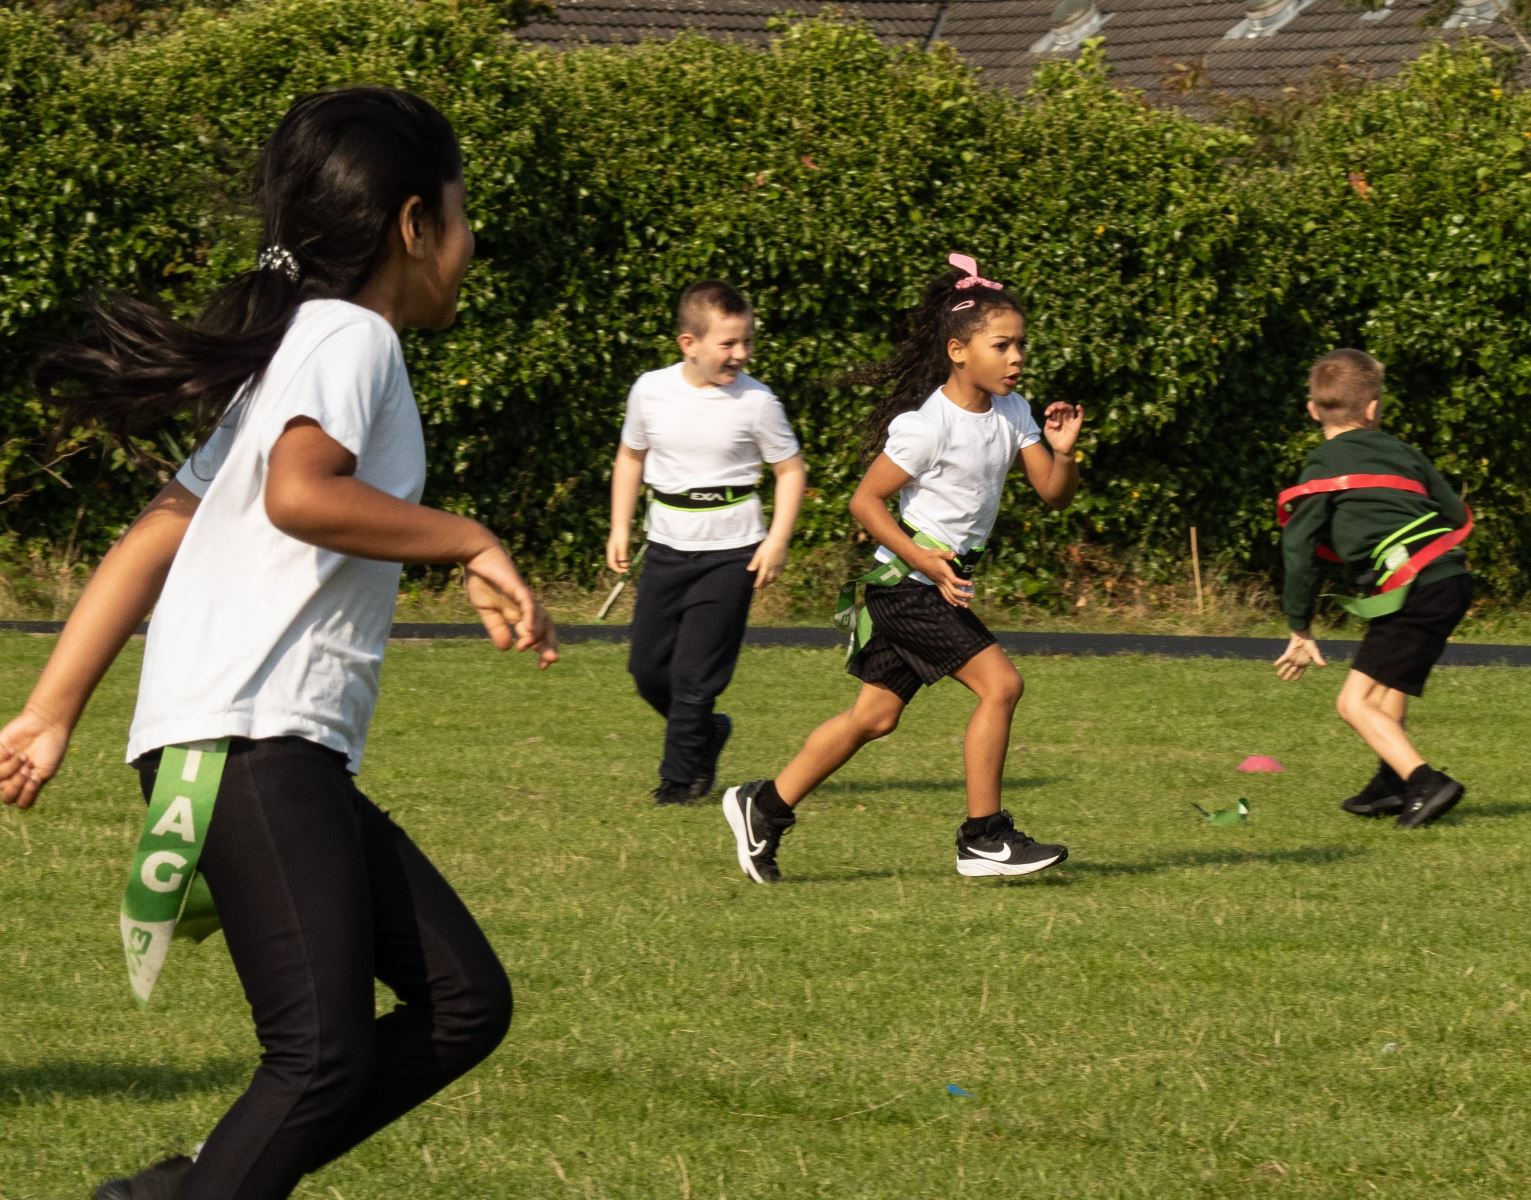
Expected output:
{"points": [[1163, 47]]}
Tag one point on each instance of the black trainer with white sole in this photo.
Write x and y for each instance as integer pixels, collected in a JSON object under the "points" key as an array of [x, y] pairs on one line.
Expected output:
{"points": [[1002, 849], [722, 730], [756, 836], [1429, 794], [162, 1181]]}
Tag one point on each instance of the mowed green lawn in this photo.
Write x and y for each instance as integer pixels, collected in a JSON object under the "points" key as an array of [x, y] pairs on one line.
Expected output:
{"points": [[1307, 1005]]}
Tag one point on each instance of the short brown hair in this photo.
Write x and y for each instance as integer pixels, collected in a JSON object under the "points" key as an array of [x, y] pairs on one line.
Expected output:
{"points": [[700, 302], [1343, 383]]}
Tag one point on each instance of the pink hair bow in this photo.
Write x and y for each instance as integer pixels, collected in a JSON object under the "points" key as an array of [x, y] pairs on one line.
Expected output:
{"points": [[972, 278]]}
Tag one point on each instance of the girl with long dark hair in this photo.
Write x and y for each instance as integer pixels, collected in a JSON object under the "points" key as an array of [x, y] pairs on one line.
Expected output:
{"points": [[946, 433], [271, 563]]}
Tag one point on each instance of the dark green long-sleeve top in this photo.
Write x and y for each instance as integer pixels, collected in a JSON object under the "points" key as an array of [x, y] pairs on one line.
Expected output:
{"points": [[1352, 523]]}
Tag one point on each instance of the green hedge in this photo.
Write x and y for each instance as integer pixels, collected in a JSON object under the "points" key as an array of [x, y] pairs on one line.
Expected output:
{"points": [[1180, 275]]}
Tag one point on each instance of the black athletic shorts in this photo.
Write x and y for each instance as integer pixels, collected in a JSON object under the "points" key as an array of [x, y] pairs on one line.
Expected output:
{"points": [[917, 638], [1400, 648]]}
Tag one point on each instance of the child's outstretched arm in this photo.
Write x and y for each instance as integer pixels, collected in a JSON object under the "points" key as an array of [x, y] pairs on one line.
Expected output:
{"points": [[1301, 653], [869, 505], [114, 603], [1050, 465], [626, 483], [771, 555], [312, 494]]}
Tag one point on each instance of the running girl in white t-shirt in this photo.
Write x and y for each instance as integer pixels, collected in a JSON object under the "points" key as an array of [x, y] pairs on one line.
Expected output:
{"points": [[949, 430], [272, 564], [697, 433]]}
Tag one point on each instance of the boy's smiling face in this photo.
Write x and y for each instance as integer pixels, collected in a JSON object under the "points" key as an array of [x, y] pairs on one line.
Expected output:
{"points": [[715, 358]]}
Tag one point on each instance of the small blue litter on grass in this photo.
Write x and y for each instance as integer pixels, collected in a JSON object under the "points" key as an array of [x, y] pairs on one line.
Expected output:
{"points": [[953, 1090]]}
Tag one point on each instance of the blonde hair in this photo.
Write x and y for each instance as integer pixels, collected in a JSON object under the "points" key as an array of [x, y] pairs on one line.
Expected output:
{"points": [[1343, 383]]}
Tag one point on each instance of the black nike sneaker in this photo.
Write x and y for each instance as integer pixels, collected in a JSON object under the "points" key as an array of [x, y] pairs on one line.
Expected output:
{"points": [[1002, 849], [756, 836], [1429, 794], [722, 730], [162, 1181], [1381, 797], [670, 792]]}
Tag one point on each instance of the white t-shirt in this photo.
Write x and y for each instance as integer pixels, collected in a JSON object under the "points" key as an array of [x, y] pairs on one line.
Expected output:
{"points": [[257, 634], [957, 462], [701, 436]]}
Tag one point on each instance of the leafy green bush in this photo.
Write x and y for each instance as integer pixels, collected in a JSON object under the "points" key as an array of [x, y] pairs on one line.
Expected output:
{"points": [[1179, 279]]}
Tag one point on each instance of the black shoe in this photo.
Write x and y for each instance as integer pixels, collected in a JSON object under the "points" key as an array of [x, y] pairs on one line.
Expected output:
{"points": [[162, 1181], [670, 792], [722, 730], [756, 836], [1429, 794], [1002, 849], [1381, 797]]}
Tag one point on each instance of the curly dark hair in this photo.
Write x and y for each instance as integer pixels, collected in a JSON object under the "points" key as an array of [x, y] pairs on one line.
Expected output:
{"points": [[920, 363]]}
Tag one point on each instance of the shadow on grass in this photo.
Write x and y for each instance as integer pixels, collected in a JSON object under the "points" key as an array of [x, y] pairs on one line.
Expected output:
{"points": [[951, 784], [44, 1080], [1468, 811], [1307, 856]]}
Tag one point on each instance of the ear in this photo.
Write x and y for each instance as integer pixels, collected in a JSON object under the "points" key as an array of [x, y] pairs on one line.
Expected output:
{"points": [[1313, 412], [686, 342], [957, 351], [414, 227], [1373, 407]]}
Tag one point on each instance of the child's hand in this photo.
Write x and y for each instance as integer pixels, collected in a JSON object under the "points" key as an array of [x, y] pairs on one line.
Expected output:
{"points": [[1063, 421], [1301, 653], [510, 613], [618, 558], [936, 566], [31, 748], [770, 557]]}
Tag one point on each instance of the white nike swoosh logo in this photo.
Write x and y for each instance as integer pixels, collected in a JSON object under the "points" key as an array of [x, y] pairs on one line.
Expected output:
{"points": [[1004, 856], [749, 825]]}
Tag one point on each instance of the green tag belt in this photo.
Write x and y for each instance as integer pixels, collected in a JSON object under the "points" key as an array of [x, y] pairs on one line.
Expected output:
{"points": [[858, 620], [165, 897]]}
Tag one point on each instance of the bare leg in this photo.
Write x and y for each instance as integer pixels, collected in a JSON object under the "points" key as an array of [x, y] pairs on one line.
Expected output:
{"points": [[991, 677], [875, 714], [1377, 713]]}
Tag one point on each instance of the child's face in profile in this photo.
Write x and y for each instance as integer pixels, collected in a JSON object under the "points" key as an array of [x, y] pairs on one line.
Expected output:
{"points": [[992, 357], [717, 356]]}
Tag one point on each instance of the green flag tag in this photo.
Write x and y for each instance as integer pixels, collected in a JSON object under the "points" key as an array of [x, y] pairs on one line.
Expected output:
{"points": [[1225, 816], [163, 889]]}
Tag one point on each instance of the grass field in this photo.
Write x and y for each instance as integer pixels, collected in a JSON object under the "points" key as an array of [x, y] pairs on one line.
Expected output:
{"points": [[1307, 1005]]}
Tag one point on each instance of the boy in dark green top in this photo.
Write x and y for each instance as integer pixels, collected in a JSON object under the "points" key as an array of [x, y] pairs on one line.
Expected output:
{"points": [[1373, 530]]}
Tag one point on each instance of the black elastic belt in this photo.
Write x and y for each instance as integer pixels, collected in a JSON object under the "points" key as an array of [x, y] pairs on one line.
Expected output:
{"points": [[963, 564], [706, 497]]}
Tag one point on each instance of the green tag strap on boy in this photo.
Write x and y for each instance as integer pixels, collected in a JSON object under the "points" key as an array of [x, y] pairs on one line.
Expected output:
{"points": [[163, 889]]}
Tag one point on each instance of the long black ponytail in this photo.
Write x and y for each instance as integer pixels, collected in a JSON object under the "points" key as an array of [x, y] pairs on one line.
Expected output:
{"points": [[328, 185], [953, 306]]}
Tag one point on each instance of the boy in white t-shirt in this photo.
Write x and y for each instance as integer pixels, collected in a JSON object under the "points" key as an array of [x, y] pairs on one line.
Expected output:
{"points": [[697, 433]]}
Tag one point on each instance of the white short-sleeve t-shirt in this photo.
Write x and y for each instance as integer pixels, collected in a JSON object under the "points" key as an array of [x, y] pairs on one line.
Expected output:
{"points": [[697, 437], [257, 634], [957, 462]]}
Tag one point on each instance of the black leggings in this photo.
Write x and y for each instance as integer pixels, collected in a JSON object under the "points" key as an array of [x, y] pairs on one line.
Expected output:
{"points": [[688, 625], [319, 893]]}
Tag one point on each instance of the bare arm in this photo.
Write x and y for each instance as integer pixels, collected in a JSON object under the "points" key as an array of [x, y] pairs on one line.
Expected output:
{"points": [[1050, 466], [869, 506], [114, 603], [312, 494], [771, 555], [626, 483]]}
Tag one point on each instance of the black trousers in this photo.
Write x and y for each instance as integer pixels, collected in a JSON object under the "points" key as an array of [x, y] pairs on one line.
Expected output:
{"points": [[320, 893], [688, 625]]}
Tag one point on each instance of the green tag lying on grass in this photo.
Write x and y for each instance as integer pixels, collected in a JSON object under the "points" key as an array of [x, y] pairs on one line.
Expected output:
{"points": [[1226, 816]]}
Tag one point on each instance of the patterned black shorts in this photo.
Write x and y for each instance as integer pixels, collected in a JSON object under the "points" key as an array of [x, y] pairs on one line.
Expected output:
{"points": [[917, 638], [1400, 648]]}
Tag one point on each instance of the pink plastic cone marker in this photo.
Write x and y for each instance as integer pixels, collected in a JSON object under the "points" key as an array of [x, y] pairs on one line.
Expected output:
{"points": [[1261, 764]]}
